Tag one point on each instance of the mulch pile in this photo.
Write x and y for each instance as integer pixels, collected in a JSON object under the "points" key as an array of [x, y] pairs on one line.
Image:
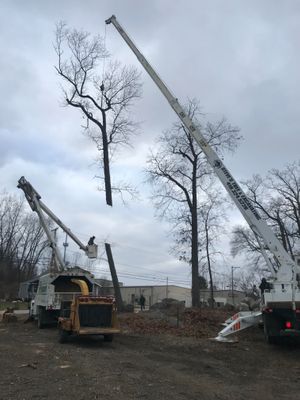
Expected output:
{"points": [[200, 323]]}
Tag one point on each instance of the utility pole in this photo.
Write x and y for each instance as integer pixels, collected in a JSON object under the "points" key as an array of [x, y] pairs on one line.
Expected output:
{"points": [[53, 262], [232, 284], [167, 288], [65, 244]]}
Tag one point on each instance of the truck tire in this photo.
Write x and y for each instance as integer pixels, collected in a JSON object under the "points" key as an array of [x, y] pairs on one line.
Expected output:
{"points": [[63, 335], [108, 338], [41, 318], [270, 339]]}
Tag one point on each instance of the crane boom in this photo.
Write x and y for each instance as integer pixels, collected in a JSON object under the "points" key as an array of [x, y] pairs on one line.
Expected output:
{"points": [[287, 266]]}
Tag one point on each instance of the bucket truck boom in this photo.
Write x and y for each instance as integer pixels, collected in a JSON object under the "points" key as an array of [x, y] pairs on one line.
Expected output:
{"points": [[36, 204]]}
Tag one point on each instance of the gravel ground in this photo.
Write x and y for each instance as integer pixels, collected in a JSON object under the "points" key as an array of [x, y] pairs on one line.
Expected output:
{"points": [[143, 366]]}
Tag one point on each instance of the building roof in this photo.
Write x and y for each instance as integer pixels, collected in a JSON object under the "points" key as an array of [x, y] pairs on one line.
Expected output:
{"points": [[154, 286], [221, 291]]}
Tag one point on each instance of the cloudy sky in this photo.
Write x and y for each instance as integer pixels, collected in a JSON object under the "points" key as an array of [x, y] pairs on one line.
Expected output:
{"points": [[240, 59]]}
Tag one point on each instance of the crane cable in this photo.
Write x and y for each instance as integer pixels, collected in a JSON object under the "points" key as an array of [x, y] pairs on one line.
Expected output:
{"points": [[103, 67]]}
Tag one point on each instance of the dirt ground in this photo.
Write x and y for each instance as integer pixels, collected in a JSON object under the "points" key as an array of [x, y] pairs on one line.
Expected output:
{"points": [[157, 364]]}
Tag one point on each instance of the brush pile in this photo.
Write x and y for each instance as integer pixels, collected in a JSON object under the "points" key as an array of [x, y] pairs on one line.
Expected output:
{"points": [[200, 323]]}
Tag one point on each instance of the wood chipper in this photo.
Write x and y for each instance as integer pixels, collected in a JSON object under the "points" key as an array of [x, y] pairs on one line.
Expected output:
{"points": [[88, 315]]}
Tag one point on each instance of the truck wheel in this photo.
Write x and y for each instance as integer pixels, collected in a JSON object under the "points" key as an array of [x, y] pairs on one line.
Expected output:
{"points": [[41, 318], [108, 338], [63, 335], [270, 339]]}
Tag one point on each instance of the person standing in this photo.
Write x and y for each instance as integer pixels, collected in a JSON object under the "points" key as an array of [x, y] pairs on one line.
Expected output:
{"points": [[142, 302]]}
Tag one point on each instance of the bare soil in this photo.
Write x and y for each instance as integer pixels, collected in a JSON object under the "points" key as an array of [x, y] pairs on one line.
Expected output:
{"points": [[166, 362]]}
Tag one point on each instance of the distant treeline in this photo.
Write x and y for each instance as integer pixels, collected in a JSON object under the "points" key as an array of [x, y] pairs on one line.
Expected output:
{"points": [[22, 244]]}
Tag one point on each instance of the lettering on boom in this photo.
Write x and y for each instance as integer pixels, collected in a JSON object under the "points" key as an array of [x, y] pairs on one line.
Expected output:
{"points": [[239, 194]]}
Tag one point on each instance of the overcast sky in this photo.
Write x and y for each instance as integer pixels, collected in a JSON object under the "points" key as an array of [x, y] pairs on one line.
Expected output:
{"points": [[240, 59]]}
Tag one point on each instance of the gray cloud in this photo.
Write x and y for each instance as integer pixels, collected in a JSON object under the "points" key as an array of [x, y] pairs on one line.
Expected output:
{"points": [[240, 59]]}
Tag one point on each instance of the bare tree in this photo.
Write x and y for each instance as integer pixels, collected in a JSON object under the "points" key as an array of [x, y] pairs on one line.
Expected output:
{"points": [[286, 184], [211, 215], [182, 181], [32, 244], [10, 215], [247, 278], [22, 244], [202, 282], [277, 197], [103, 100]]}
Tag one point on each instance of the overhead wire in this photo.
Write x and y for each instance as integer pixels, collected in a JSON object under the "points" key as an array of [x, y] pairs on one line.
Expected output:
{"points": [[103, 68], [160, 275]]}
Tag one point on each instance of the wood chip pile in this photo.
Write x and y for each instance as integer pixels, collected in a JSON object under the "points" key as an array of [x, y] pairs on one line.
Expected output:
{"points": [[200, 323]]}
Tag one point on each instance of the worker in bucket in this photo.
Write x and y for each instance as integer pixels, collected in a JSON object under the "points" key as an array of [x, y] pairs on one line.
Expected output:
{"points": [[264, 285], [91, 241]]}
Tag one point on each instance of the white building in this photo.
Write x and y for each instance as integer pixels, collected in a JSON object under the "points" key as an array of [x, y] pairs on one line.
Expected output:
{"points": [[222, 297], [155, 294]]}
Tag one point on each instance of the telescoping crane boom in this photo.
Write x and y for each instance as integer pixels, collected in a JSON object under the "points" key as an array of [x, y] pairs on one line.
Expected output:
{"points": [[286, 273], [36, 204]]}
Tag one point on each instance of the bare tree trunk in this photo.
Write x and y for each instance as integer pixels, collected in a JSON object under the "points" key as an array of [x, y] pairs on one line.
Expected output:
{"points": [[194, 247], [114, 277], [106, 169], [211, 286]]}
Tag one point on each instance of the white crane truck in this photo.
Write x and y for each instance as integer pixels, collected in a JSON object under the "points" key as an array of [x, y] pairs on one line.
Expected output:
{"points": [[67, 295], [280, 309]]}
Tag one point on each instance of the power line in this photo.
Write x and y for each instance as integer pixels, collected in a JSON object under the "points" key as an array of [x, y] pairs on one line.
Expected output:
{"points": [[148, 276], [151, 279]]}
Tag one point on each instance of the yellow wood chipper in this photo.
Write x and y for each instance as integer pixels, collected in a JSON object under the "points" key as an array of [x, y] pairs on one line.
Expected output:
{"points": [[88, 315]]}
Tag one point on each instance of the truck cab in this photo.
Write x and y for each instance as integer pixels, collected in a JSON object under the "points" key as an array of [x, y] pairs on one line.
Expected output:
{"points": [[55, 292]]}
